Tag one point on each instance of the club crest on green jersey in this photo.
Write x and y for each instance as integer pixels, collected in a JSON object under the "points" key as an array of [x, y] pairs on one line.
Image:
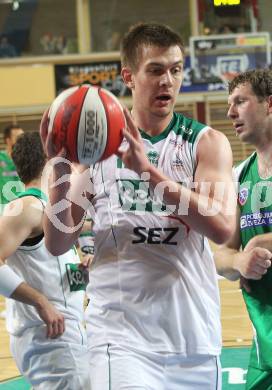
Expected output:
{"points": [[243, 195]]}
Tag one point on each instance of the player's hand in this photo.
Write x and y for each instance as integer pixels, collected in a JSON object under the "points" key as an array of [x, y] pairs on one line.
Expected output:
{"points": [[85, 261], [84, 266], [134, 156], [53, 319], [48, 144], [253, 264]]}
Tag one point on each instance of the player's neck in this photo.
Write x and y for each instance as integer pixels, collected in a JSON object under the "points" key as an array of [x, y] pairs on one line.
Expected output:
{"points": [[8, 151], [265, 160], [151, 124], [36, 183]]}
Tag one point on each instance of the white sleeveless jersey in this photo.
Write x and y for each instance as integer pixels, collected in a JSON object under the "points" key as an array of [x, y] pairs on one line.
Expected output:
{"points": [[153, 282], [57, 277]]}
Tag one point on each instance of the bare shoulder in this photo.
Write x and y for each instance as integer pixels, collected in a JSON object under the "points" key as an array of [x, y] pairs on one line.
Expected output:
{"points": [[214, 143], [26, 210], [215, 137], [22, 219]]}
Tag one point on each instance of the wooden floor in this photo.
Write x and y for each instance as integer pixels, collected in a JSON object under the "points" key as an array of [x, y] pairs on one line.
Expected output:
{"points": [[8, 368], [236, 327], [235, 324]]}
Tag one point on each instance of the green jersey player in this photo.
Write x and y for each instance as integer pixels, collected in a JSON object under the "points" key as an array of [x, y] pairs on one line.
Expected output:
{"points": [[9, 181], [248, 254]]}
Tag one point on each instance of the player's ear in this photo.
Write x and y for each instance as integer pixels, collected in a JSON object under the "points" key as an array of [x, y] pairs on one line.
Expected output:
{"points": [[127, 77]]}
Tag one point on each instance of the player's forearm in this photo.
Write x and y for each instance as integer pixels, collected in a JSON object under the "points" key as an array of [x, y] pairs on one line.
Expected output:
{"points": [[26, 294], [19, 290], [227, 263], [210, 217], [63, 218], [61, 230], [14, 287], [261, 240]]}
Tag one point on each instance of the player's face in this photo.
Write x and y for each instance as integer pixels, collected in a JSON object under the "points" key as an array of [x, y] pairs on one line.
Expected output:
{"points": [[157, 80], [249, 115], [13, 136]]}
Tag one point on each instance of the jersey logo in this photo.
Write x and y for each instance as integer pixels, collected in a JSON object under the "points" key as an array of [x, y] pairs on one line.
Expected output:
{"points": [[186, 130], [177, 161], [243, 195], [155, 235], [153, 157], [257, 219], [87, 249], [77, 277], [134, 195]]}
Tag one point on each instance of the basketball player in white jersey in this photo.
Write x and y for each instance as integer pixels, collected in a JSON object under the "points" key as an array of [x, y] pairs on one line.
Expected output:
{"points": [[153, 320], [50, 288]]}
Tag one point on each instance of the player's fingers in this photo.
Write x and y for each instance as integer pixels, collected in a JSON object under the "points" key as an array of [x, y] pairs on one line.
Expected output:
{"points": [[57, 329], [130, 124], [266, 263], [260, 262], [255, 275], [49, 330], [44, 127], [129, 137], [263, 253], [61, 326], [49, 146], [90, 257], [120, 154], [62, 152], [43, 134], [259, 269]]}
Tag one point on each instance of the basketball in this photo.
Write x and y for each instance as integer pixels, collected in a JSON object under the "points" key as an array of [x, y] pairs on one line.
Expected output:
{"points": [[88, 121]]}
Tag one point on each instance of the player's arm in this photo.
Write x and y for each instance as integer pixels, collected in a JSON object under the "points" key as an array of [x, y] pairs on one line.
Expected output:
{"points": [[233, 263], [22, 219], [212, 205], [210, 212], [69, 190], [87, 226], [261, 240]]}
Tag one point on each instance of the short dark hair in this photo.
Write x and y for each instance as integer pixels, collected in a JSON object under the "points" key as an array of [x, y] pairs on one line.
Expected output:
{"points": [[146, 34], [259, 79], [8, 129], [28, 156]]}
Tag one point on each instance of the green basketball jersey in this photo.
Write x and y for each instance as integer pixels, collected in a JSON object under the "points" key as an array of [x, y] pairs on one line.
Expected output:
{"points": [[255, 202], [10, 183]]}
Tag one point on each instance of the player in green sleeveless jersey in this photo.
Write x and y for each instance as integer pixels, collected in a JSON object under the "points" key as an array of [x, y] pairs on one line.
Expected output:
{"points": [[249, 252], [9, 180], [7, 168]]}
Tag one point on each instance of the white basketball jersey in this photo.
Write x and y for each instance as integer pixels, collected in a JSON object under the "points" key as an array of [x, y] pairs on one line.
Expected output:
{"points": [[57, 277], [153, 282]]}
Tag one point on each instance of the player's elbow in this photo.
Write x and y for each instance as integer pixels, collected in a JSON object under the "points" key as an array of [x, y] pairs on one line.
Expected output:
{"points": [[224, 232], [53, 247]]}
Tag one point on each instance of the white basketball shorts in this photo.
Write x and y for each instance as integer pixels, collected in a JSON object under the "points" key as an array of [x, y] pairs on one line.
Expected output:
{"points": [[53, 364], [113, 367]]}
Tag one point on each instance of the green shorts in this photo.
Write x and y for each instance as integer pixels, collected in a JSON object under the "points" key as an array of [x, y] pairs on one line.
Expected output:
{"points": [[258, 379]]}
